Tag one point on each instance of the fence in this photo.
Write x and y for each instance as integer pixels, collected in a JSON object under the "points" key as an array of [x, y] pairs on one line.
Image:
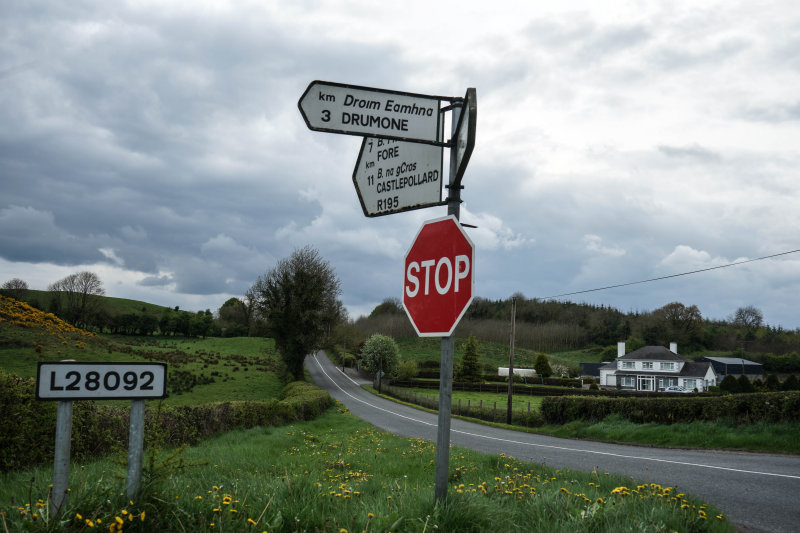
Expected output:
{"points": [[481, 410]]}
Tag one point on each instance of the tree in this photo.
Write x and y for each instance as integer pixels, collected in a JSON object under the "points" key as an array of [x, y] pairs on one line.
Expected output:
{"points": [[470, 368], [14, 288], [380, 354], [298, 299], [390, 306], [790, 383], [729, 384], [542, 366], [748, 317], [744, 384], [234, 318], [77, 295]]}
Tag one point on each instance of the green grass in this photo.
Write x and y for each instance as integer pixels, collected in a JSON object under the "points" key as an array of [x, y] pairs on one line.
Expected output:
{"points": [[114, 306], [198, 370], [492, 354], [487, 399], [758, 437], [338, 473]]}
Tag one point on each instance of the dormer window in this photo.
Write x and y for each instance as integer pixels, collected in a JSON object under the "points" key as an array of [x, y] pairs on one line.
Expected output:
{"points": [[647, 365], [628, 364], [667, 366]]}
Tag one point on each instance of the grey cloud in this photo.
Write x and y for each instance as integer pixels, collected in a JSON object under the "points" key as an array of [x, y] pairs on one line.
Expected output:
{"points": [[781, 112], [693, 153], [679, 55]]}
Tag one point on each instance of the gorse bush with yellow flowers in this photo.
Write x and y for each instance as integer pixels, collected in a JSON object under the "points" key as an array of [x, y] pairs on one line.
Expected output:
{"points": [[21, 314]]}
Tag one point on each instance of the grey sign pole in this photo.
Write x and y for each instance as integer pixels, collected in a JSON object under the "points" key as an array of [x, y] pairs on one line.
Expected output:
{"points": [[58, 496], [135, 449], [448, 348]]}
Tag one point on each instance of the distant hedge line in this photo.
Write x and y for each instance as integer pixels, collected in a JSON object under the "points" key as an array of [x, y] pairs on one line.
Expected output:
{"points": [[741, 408], [27, 426]]}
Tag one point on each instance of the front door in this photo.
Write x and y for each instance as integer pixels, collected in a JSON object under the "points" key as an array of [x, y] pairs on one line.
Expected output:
{"points": [[646, 383]]}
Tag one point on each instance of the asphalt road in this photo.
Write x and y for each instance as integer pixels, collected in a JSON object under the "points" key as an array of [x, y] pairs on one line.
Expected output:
{"points": [[757, 492]]}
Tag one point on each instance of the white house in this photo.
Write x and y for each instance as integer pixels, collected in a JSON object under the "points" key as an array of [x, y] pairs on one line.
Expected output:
{"points": [[654, 368]]}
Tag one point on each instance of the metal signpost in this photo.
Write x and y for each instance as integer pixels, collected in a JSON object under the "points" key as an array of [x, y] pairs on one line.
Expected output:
{"points": [[67, 381], [394, 176], [397, 171]]}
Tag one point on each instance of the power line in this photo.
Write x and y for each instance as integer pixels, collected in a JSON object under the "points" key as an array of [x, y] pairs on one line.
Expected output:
{"points": [[670, 276]]}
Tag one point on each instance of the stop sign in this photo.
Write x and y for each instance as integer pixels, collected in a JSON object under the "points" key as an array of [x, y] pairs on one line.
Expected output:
{"points": [[438, 277]]}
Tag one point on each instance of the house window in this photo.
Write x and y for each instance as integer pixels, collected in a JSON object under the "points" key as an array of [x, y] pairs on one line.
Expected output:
{"points": [[667, 366], [690, 383], [647, 365], [628, 364], [627, 381]]}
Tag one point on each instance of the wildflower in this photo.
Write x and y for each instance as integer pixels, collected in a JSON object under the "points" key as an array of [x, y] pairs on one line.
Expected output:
{"points": [[251, 521], [371, 515], [141, 516], [78, 516]]}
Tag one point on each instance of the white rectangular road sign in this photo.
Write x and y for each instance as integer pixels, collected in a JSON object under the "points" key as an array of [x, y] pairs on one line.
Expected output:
{"points": [[355, 110], [394, 176], [101, 381]]}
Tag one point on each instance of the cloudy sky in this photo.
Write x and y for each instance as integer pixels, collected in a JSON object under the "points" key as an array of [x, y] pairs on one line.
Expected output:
{"points": [[159, 144]]}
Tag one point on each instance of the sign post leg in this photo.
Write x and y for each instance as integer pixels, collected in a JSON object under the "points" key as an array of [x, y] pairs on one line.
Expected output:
{"points": [[135, 449], [58, 494], [448, 348], [445, 405]]}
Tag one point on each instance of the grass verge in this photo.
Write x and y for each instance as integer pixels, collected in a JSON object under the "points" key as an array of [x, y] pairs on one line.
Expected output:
{"points": [[337, 473]]}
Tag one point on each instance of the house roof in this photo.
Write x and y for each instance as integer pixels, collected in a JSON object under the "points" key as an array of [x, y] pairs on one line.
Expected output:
{"points": [[653, 353], [591, 369], [730, 360]]}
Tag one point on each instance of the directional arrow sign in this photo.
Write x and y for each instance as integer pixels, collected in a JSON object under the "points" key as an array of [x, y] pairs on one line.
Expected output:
{"points": [[393, 176], [354, 110]]}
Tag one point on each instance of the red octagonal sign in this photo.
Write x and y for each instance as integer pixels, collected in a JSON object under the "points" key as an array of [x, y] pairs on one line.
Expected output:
{"points": [[438, 284]]}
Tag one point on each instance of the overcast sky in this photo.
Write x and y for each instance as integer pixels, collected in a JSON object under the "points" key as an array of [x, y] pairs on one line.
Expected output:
{"points": [[159, 144]]}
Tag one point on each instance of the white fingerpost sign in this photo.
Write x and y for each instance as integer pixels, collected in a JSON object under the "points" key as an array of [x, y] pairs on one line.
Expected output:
{"points": [[366, 111], [394, 176]]}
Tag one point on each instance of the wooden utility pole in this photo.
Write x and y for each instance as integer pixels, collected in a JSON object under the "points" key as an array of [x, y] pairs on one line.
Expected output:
{"points": [[511, 359]]}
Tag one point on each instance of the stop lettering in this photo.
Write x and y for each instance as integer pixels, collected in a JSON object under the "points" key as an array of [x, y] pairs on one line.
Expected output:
{"points": [[438, 284]]}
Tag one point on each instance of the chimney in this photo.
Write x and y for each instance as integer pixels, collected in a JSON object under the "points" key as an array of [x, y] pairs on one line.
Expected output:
{"points": [[673, 347], [620, 349]]}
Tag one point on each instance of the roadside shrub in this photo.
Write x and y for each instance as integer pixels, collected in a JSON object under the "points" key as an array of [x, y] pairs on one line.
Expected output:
{"points": [[407, 369], [27, 426], [742, 409]]}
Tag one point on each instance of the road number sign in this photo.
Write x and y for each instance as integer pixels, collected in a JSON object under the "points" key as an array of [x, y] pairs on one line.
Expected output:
{"points": [[355, 110], [393, 176], [439, 280], [101, 381]]}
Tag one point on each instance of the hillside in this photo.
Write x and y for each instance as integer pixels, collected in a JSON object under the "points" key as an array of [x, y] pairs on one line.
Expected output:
{"points": [[200, 370]]}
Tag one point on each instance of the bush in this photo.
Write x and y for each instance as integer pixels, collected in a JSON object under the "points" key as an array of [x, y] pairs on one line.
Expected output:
{"points": [[407, 369], [742, 409], [730, 384], [28, 425]]}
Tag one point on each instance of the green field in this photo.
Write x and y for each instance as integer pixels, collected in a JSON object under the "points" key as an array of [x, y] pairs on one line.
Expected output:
{"points": [[493, 355]]}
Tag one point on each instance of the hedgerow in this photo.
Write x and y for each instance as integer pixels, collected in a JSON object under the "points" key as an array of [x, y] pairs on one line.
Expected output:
{"points": [[740, 408], [27, 426]]}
